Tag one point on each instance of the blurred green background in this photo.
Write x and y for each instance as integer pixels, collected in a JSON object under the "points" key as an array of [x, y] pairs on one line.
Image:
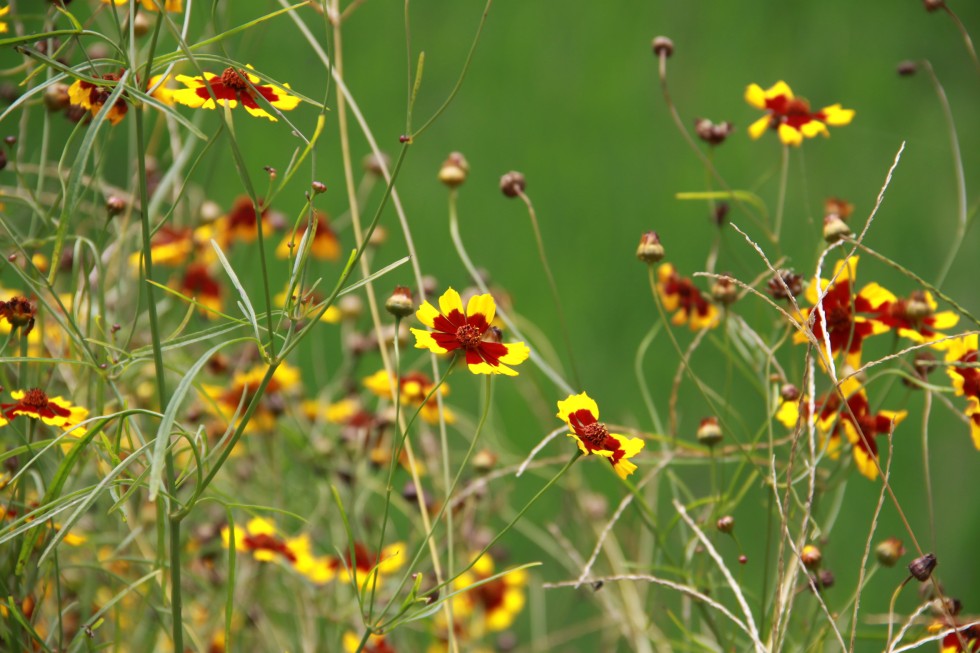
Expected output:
{"points": [[567, 93]]}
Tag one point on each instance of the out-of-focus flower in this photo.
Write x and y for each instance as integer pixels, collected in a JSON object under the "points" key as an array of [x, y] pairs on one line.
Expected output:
{"points": [[199, 283], [152, 5], [953, 642], [302, 305], [375, 644], [227, 399], [963, 371], [495, 603], [55, 411], [367, 564], [240, 223], [3, 24], [453, 329], [581, 413], [93, 97], [325, 246], [791, 116], [232, 87], [413, 389], [681, 297], [914, 317], [840, 308], [19, 313], [161, 90]]}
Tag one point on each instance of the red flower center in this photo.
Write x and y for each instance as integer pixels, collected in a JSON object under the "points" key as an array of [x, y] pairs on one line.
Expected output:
{"points": [[234, 79], [35, 398], [594, 434], [469, 336]]}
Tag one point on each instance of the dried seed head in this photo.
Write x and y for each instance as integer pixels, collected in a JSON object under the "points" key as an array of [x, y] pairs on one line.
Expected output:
{"points": [[785, 280], [650, 249], [709, 432], [319, 187], [811, 557], [454, 170], [921, 568], [725, 524], [400, 302], [907, 68], [376, 164], [834, 228], [662, 46], [889, 551], [825, 579], [3, 159], [724, 291], [512, 184], [711, 133]]}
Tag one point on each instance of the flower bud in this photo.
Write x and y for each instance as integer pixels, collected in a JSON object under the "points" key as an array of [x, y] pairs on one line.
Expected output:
{"points": [[916, 307], [484, 461], [711, 133], [56, 97], [662, 46], [889, 551], [351, 307], [141, 25], [319, 187], [400, 302], [719, 213], [906, 68], [512, 184], [115, 205], [650, 250], [709, 432], [946, 606], [454, 170], [825, 579], [378, 236], [789, 392], [785, 280], [725, 524], [376, 165], [834, 228], [811, 557], [724, 291], [933, 5], [743, 559], [921, 568]]}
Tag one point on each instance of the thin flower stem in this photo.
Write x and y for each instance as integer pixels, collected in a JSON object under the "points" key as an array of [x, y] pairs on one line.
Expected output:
{"points": [[781, 202], [553, 286], [926, 473], [965, 34]]}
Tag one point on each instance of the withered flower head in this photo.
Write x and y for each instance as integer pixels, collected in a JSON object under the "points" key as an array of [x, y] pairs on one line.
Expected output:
{"points": [[512, 184], [836, 206], [786, 280], [20, 313], [889, 551], [725, 524], [724, 291], [921, 568], [834, 228], [711, 133]]}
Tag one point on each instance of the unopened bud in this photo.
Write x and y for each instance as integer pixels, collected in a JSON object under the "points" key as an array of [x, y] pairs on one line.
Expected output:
{"points": [[889, 551], [512, 184], [725, 524], [785, 284], [662, 46], [319, 187], [811, 557], [917, 307], [711, 133], [400, 302], [141, 25], [825, 579], [650, 249], [933, 5], [834, 228], [743, 559], [484, 461], [907, 68], [378, 237], [56, 97], [724, 291], [272, 172], [709, 432], [789, 392], [351, 307], [376, 164], [921, 568], [115, 205], [946, 606], [454, 170], [719, 213]]}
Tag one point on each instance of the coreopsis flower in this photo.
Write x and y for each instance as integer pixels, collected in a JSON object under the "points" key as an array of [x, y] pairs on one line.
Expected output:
{"points": [[367, 564], [497, 602], [199, 283], [325, 246], [240, 223], [3, 24], [19, 313], [35, 404], [858, 424], [581, 413], [681, 297], [914, 317], [414, 387], [160, 88], [961, 353], [841, 310], [227, 399], [169, 246], [231, 87], [954, 641], [791, 116], [303, 304], [262, 539], [152, 5], [375, 644], [92, 97], [469, 332]]}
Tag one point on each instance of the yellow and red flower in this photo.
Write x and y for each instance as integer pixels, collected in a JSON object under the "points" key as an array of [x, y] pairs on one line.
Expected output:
{"points": [[152, 5], [93, 97], [496, 602], [375, 644], [55, 411], [227, 400], [791, 116], [413, 390], [241, 224], [368, 564], [581, 413], [860, 426], [231, 87], [3, 24], [681, 295], [963, 370], [325, 246], [914, 317], [199, 283], [20, 313], [469, 332], [840, 308]]}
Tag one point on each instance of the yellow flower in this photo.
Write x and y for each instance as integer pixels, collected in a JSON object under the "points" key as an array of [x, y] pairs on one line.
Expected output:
{"points": [[230, 88], [498, 601], [681, 295], [581, 414], [415, 387], [791, 116], [151, 5]]}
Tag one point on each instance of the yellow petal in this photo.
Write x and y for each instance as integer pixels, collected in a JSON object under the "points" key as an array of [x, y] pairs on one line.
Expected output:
{"points": [[814, 128], [755, 96], [450, 301], [427, 314], [836, 116], [481, 305], [624, 468], [759, 127], [424, 340], [379, 383], [877, 295], [788, 414], [487, 368], [789, 135], [576, 403], [779, 88], [630, 446], [517, 352], [945, 320]]}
